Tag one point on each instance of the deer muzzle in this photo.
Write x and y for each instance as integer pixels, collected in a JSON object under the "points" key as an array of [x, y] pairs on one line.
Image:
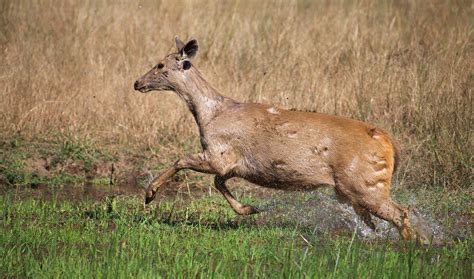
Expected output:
{"points": [[139, 86]]}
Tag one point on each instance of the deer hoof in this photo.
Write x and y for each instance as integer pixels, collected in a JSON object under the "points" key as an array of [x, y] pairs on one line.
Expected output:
{"points": [[247, 210], [149, 197]]}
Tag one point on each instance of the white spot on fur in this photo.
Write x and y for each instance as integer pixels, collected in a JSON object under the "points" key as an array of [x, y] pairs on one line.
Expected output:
{"points": [[326, 142], [292, 134], [381, 172], [273, 110], [353, 164]]}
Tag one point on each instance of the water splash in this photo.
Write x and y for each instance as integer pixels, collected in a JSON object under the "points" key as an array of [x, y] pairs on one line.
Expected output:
{"points": [[319, 212]]}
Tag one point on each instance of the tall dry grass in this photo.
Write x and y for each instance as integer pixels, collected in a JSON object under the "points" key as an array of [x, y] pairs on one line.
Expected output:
{"points": [[406, 66]]}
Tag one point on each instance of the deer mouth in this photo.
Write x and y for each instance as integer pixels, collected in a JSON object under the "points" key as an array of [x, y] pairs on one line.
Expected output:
{"points": [[144, 89], [140, 87]]}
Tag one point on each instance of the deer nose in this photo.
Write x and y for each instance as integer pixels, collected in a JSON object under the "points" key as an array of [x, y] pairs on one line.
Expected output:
{"points": [[135, 85]]}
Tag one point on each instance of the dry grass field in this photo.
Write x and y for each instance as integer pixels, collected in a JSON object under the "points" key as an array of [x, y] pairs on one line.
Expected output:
{"points": [[407, 66]]}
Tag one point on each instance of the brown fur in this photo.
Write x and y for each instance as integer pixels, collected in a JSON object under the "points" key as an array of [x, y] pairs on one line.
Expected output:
{"points": [[278, 148]]}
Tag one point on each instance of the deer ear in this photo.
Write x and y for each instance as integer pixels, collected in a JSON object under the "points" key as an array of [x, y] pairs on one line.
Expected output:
{"points": [[190, 49], [179, 43]]}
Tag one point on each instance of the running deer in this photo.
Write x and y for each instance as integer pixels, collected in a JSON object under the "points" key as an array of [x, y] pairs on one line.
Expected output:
{"points": [[277, 148]]}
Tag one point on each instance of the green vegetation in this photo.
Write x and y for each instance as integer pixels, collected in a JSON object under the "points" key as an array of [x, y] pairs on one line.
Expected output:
{"points": [[197, 238]]}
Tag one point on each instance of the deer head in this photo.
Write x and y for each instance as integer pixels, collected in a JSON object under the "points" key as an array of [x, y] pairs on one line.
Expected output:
{"points": [[171, 71]]}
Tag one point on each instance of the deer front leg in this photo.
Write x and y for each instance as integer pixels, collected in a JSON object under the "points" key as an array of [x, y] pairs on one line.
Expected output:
{"points": [[240, 209], [195, 162]]}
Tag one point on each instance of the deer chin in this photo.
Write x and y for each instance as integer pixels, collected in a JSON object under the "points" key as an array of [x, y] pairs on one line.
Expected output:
{"points": [[150, 87], [144, 89]]}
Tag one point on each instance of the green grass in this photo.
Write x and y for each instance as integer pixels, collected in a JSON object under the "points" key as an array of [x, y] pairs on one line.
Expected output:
{"points": [[199, 238]]}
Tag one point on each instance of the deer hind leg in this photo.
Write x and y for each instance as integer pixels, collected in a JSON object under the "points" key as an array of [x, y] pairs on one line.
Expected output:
{"points": [[195, 162], [239, 208], [390, 211], [368, 200], [374, 196], [365, 216], [381, 205], [363, 213]]}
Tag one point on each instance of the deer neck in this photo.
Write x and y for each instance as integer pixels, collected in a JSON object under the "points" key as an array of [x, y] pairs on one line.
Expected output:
{"points": [[201, 98]]}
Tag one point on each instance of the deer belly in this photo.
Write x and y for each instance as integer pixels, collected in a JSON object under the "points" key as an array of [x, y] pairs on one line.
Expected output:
{"points": [[280, 175]]}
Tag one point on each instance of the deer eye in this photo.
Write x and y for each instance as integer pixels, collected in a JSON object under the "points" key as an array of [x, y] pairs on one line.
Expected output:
{"points": [[186, 65], [160, 66]]}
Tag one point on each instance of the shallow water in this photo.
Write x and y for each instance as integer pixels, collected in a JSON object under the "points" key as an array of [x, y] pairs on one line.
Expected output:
{"points": [[314, 213], [320, 212]]}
